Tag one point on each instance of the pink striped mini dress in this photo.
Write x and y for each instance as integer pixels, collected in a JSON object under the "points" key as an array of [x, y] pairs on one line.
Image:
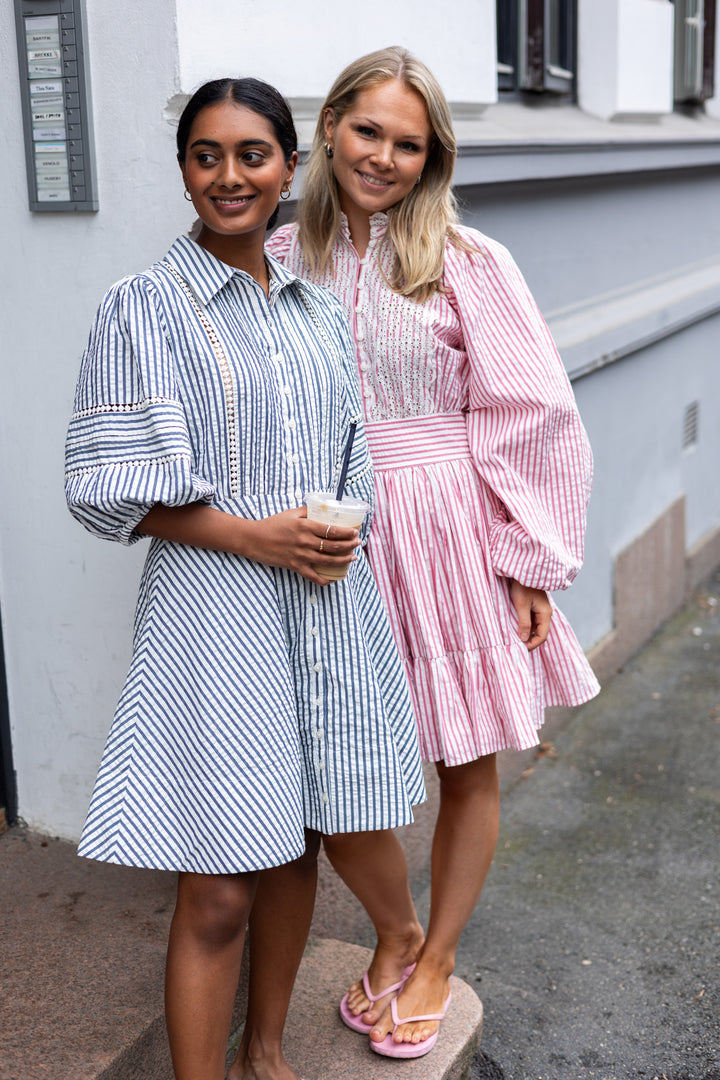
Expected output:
{"points": [[483, 473]]}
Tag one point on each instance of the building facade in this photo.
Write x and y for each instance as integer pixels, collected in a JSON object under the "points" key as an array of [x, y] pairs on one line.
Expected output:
{"points": [[589, 143]]}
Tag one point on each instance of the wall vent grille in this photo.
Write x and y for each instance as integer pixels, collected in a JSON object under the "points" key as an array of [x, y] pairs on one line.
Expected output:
{"points": [[691, 425]]}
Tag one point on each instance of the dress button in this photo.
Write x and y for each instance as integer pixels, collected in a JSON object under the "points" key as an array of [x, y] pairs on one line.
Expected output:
{"points": [[359, 335], [287, 390], [298, 494], [367, 392], [321, 766], [291, 425], [317, 668], [295, 458], [364, 366], [314, 631], [325, 799], [313, 601]]}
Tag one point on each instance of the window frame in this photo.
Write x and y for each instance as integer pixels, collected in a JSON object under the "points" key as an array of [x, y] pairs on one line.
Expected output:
{"points": [[534, 56], [694, 51]]}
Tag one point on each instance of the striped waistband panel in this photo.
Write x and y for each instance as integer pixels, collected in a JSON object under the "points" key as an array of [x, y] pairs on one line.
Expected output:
{"points": [[418, 440]]}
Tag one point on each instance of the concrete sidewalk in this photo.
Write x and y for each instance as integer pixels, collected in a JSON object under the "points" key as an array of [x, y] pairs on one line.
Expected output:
{"points": [[594, 948]]}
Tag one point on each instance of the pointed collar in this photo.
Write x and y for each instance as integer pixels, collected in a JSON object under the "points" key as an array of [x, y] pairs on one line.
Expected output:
{"points": [[207, 275]]}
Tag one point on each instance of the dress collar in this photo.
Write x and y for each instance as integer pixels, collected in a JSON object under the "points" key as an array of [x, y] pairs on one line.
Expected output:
{"points": [[207, 275], [378, 226]]}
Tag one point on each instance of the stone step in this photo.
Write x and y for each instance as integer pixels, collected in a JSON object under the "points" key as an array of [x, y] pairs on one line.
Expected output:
{"points": [[320, 1047], [317, 1043]]}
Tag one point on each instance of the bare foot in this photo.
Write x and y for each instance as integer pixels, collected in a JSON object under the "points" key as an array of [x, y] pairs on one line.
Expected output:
{"points": [[387, 968], [276, 1068], [424, 994]]}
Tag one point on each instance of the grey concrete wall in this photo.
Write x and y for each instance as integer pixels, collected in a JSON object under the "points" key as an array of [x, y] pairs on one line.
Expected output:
{"points": [[577, 241], [575, 238]]}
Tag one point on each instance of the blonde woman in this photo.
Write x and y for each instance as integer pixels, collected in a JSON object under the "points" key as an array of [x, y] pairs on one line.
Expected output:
{"points": [[483, 473]]}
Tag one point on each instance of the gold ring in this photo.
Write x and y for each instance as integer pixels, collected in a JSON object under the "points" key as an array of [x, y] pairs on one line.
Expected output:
{"points": [[322, 545], [327, 531]]}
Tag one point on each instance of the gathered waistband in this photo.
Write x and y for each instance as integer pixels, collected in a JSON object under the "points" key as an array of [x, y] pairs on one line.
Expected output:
{"points": [[418, 440]]}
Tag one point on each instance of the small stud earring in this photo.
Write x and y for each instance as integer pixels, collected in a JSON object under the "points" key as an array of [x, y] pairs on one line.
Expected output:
{"points": [[187, 195], [418, 180]]}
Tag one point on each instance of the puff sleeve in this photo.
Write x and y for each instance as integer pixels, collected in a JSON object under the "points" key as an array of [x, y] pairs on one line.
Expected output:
{"points": [[128, 444], [525, 433]]}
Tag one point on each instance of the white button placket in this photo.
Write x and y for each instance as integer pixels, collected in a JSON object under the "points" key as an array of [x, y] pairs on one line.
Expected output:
{"points": [[294, 484], [317, 703], [366, 387]]}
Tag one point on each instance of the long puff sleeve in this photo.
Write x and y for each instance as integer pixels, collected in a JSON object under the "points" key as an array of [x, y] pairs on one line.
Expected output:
{"points": [[128, 445], [524, 429]]}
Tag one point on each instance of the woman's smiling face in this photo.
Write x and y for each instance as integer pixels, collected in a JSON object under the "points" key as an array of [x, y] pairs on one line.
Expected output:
{"points": [[380, 146], [234, 170]]}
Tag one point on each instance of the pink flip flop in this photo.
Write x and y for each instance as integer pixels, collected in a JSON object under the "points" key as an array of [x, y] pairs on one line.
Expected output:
{"points": [[389, 1048], [356, 1022]]}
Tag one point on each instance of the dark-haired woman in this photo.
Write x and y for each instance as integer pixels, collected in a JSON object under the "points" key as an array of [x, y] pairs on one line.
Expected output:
{"points": [[262, 707]]}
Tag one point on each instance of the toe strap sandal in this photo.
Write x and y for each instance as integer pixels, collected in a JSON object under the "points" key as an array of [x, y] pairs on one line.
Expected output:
{"points": [[389, 1048], [356, 1022]]}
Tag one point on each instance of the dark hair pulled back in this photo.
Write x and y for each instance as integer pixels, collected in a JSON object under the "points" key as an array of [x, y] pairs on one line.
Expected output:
{"points": [[254, 94]]}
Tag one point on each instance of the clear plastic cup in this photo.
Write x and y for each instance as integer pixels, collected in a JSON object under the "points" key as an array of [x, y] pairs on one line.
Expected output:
{"points": [[349, 514]]}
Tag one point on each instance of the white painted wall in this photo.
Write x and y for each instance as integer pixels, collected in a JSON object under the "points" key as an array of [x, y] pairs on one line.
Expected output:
{"points": [[300, 48], [66, 598], [625, 58]]}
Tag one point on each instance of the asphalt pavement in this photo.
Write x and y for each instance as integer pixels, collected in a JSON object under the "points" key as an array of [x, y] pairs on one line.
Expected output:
{"points": [[596, 942]]}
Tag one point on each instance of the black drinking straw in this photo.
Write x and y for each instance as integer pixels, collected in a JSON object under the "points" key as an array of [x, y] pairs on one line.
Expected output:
{"points": [[346, 461]]}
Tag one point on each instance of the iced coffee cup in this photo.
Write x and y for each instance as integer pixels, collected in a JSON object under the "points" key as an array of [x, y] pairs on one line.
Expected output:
{"points": [[348, 514]]}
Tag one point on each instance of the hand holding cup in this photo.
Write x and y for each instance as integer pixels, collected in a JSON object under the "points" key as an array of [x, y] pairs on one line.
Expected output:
{"points": [[323, 507]]}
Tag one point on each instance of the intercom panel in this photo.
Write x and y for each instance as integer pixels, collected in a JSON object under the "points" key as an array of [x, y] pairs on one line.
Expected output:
{"points": [[57, 116]]}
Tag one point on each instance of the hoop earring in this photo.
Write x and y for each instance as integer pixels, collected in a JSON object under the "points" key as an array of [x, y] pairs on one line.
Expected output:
{"points": [[187, 195], [418, 180], [285, 193], [329, 150]]}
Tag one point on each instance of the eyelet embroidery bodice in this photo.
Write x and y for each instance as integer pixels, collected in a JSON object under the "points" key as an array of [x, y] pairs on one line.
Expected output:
{"points": [[410, 356]]}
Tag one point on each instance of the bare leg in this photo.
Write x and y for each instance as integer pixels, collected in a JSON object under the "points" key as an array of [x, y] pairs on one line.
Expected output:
{"points": [[279, 926], [463, 848], [203, 966], [372, 865]]}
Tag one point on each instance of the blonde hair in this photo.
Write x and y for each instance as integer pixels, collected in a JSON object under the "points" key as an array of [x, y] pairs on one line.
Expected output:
{"points": [[420, 225]]}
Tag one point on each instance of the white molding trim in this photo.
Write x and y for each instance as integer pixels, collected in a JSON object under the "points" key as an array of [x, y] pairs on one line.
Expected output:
{"points": [[593, 334], [495, 163]]}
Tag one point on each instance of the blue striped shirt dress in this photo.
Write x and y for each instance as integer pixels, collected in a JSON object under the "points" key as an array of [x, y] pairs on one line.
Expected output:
{"points": [[257, 703]]}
